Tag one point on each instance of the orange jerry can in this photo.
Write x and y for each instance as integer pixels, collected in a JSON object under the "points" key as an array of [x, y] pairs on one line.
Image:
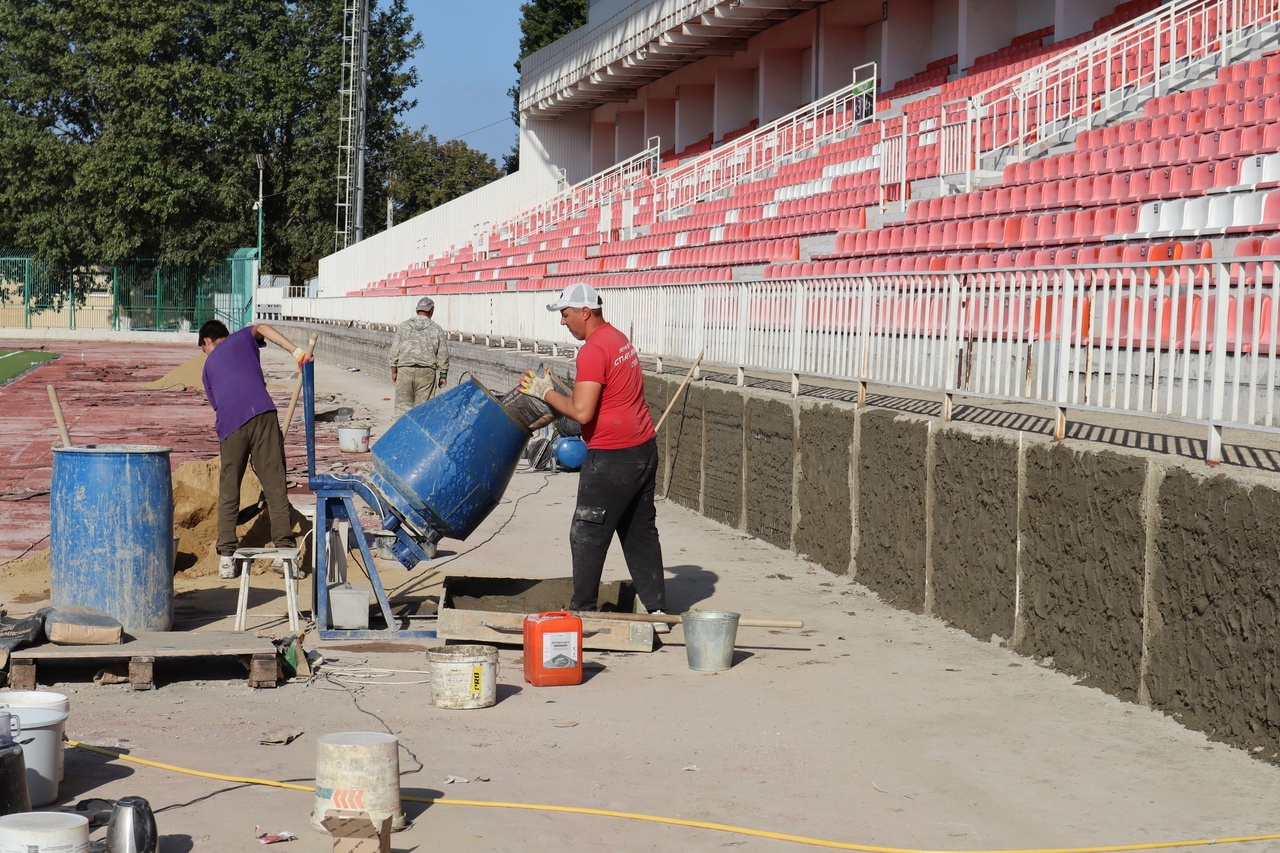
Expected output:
{"points": [[552, 649]]}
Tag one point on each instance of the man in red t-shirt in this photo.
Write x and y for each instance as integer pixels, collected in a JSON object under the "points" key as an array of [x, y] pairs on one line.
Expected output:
{"points": [[616, 483]]}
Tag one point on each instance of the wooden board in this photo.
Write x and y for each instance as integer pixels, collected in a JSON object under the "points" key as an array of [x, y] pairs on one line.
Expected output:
{"points": [[258, 654], [492, 610]]}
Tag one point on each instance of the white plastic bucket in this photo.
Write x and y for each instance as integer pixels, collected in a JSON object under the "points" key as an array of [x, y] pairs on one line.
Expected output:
{"points": [[353, 439], [44, 832], [463, 677], [38, 699], [359, 771], [41, 745]]}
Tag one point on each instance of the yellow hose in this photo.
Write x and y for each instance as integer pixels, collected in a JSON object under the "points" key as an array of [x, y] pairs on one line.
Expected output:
{"points": [[672, 821]]}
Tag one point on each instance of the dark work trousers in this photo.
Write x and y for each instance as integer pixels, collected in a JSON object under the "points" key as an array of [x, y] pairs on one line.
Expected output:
{"points": [[258, 441], [615, 494]]}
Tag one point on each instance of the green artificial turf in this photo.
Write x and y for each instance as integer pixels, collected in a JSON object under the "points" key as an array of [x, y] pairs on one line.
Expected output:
{"points": [[14, 363]]}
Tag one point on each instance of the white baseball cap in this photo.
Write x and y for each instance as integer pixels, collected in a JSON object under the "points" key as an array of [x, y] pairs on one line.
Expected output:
{"points": [[580, 295]]}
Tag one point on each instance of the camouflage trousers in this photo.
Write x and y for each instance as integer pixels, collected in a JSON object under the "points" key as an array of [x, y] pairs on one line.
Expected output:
{"points": [[414, 386]]}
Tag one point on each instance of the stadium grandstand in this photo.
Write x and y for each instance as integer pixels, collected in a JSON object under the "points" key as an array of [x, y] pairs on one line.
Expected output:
{"points": [[1068, 202]]}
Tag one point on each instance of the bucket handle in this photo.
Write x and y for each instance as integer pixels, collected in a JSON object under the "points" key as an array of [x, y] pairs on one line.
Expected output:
{"points": [[15, 722]]}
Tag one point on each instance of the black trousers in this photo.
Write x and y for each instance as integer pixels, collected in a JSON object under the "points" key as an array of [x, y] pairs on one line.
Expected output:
{"points": [[615, 495]]}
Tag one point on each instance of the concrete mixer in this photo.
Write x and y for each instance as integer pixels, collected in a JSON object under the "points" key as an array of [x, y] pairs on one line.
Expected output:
{"points": [[438, 471]]}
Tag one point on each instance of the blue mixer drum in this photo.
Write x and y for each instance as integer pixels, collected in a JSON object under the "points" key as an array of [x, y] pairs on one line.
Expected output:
{"points": [[449, 459]]}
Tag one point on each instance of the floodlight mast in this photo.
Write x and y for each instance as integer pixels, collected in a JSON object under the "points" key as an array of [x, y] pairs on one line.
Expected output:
{"points": [[351, 124]]}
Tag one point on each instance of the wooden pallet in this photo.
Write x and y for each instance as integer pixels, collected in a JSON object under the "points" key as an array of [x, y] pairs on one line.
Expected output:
{"points": [[257, 654]]}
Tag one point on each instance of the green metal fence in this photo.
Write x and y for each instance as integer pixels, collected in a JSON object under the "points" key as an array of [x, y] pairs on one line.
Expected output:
{"points": [[139, 294]]}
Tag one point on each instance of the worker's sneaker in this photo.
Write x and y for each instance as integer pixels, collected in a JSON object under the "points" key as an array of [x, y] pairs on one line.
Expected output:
{"points": [[660, 627], [277, 566], [227, 568]]}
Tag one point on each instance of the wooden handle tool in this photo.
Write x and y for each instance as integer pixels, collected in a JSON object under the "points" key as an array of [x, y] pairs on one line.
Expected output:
{"points": [[57, 416], [743, 622], [297, 390]]}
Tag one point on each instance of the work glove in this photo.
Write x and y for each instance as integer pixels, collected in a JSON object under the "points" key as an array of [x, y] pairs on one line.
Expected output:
{"points": [[300, 356], [535, 385]]}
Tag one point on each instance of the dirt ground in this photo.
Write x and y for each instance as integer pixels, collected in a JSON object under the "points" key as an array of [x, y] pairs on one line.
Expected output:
{"points": [[871, 726]]}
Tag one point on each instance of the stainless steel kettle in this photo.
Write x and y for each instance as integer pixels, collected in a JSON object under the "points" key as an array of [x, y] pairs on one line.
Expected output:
{"points": [[132, 827], [14, 796]]}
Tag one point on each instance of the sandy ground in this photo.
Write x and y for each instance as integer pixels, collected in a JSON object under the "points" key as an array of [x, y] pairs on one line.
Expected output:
{"points": [[871, 726]]}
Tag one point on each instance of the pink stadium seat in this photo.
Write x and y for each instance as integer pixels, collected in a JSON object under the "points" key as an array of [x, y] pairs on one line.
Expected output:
{"points": [[1111, 254], [1084, 226]]}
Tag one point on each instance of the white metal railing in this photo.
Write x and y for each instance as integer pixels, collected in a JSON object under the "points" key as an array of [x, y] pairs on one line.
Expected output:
{"points": [[1193, 341], [602, 187], [1079, 87], [803, 130]]}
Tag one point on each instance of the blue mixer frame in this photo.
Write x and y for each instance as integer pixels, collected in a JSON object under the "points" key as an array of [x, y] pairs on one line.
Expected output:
{"points": [[437, 472]]}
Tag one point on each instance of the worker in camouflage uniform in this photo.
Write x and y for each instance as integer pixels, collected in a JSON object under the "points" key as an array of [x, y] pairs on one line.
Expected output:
{"points": [[419, 358]]}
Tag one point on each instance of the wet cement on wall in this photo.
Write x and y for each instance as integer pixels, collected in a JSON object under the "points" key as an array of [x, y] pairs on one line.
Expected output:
{"points": [[824, 532], [891, 507], [1083, 563], [974, 548], [1213, 651], [722, 465], [685, 449], [655, 395], [770, 462]]}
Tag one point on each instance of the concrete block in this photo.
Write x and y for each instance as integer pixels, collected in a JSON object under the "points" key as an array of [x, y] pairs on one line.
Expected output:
{"points": [[974, 547], [685, 447], [891, 485], [1083, 562], [722, 465], [770, 469], [1214, 633], [657, 391], [824, 532]]}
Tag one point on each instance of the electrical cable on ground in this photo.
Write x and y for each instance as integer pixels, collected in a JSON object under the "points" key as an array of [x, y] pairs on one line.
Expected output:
{"points": [[696, 824]]}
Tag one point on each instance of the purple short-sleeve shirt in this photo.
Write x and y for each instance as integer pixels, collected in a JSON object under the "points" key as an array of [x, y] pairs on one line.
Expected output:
{"points": [[234, 383]]}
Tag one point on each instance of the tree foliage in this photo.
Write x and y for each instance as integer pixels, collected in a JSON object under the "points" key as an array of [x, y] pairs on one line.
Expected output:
{"points": [[425, 173], [130, 129], [541, 23]]}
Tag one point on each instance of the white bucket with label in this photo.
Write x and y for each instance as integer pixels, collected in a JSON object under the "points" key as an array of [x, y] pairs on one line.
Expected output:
{"points": [[353, 439], [358, 771], [463, 677], [44, 832], [39, 699], [41, 745]]}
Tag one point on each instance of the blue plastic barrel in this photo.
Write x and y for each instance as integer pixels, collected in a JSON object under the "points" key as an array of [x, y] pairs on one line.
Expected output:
{"points": [[450, 458], [111, 533]]}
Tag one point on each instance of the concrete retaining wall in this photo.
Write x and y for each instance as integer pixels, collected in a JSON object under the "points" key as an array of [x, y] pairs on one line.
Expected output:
{"points": [[1150, 578]]}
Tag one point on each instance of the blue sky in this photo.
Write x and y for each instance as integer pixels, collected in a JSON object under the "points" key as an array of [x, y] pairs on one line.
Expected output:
{"points": [[465, 67]]}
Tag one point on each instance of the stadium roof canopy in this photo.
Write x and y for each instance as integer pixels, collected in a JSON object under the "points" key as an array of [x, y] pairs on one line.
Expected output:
{"points": [[608, 62]]}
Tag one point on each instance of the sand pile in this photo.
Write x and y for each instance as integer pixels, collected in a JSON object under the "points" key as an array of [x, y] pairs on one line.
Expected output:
{"points": [[186, 375], [195, 517]]}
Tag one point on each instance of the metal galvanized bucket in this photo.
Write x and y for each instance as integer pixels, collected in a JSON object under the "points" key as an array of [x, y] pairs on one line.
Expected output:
{"points": [[463, 677], [709, 636]]}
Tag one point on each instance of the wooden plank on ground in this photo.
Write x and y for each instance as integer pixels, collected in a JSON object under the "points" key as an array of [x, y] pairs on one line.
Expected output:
{"points": [[258, 654]]}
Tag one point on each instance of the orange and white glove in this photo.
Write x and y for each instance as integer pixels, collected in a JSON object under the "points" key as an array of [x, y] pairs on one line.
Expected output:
{"points": [[535, 385], [300, 356]]}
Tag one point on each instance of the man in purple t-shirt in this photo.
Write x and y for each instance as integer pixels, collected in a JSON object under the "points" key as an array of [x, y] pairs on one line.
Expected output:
{"points": [[248, 429]]}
